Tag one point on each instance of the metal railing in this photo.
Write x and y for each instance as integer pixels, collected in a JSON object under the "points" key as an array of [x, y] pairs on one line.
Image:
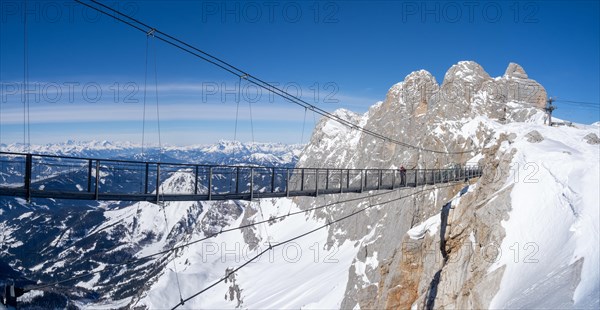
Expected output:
{"points": [[62, 177]]}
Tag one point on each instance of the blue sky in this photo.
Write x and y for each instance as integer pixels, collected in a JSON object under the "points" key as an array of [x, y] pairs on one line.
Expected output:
{"points": [[351, 51]]}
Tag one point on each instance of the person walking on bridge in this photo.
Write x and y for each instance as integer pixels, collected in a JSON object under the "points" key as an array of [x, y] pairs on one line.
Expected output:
{"points": [[402, 176]]}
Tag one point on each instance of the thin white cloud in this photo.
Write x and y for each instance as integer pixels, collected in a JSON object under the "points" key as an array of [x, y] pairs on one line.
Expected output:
{"points": [[187, 111], [66, 113]]}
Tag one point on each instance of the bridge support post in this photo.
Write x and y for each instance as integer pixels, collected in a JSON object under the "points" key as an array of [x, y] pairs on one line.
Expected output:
{"points": [[316, 182], [251, 184], [302, 180], [146, 178], [273, 180], [327, 179], [362, 183], [380, 180], [196, 180], [348, 179], [97, 181], [393, 178], [27, 181], [210, 177], [341, 181], [157, 183], [237, 180], [416, 177], [287, 182], [89, 176]]}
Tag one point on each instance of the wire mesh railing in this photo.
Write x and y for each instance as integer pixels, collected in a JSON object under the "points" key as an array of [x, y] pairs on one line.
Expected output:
{"points": [[50, 176]]}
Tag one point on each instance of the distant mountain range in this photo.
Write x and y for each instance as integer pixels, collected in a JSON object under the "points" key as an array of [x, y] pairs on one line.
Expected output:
{"points": [[222, 153]]}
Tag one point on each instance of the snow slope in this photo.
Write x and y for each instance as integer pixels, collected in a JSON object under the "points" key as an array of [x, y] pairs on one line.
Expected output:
{"points": [[554, 221], [305, 273]]}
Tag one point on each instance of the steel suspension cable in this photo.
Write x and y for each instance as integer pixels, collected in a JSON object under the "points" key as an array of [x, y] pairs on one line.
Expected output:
{"points": [[160, 147], [303, 125], [271, 246], [25, 98], [252, 79], [251, 121], [173, 261], [175, 248], [144, 99], [237, 111]]}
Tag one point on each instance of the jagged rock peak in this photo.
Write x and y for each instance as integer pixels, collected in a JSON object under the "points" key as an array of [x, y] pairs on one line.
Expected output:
{"points": [[346, 114], [515, 71], [468, 71], [419, 74], [416, 89]]}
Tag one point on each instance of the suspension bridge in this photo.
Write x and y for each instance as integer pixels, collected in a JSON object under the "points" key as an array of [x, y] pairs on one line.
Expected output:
{"points": [[46, 176], [63, 177], [30, 176]]}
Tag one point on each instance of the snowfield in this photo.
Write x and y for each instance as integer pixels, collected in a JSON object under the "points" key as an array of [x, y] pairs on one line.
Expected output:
{"points": [[554, 221], [306, 273]]}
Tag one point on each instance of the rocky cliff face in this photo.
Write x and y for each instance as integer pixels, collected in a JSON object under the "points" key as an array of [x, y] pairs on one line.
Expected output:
{"points": [[422, 113], [461, 120]]}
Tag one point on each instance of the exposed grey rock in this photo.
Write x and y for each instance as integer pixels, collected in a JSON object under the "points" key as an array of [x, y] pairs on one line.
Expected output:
{"points": [[216, 218], [474, 224], [592, 138], [534, 137], [515, 71], [249, 233]]}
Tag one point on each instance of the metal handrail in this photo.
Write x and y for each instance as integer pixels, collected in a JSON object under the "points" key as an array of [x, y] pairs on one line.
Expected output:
{"points": [[250, 180]]}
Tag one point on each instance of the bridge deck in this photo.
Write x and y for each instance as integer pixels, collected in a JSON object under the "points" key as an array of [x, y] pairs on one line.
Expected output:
{"points": [[62, 177]]}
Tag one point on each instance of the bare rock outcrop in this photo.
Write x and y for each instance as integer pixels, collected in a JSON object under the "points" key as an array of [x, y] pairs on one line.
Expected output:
{"points": [[515, 71], [534, 137], [592, 138]]}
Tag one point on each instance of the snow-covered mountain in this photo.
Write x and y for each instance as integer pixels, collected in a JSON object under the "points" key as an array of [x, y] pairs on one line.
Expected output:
{"points": [[524, 235], [223, 152]]}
